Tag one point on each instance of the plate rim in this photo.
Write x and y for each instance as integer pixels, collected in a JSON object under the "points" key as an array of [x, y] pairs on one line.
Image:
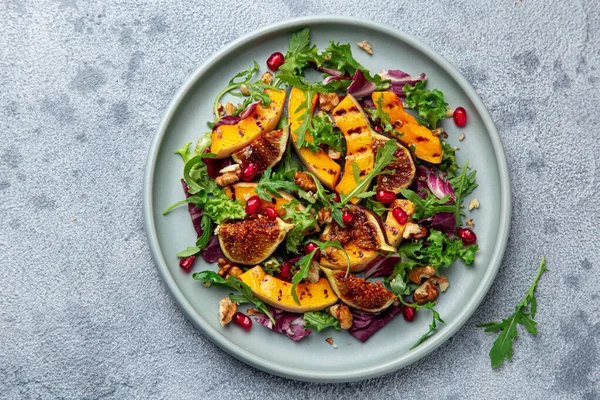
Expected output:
{"points": [[298, 373]]}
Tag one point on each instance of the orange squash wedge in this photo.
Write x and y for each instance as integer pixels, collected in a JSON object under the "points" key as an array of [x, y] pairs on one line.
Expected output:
{"points": [[320, 164], [352, 121], [427, 146], [278, 293], [227, 139]]}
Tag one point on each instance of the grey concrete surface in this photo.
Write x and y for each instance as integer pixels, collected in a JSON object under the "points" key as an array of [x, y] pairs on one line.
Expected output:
{"points": [[83, 313]]}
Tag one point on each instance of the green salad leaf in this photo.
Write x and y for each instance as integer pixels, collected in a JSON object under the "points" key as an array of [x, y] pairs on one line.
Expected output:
{"points": [[304, 221], [268, 185], [438, 250], [430, 105], [319, 320], [463, 185], [524, 315], [322, 132], [426, 208]]}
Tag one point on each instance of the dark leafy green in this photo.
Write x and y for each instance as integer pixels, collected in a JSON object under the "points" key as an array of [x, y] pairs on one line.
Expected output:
{"points": [[319, 320], [430, 105]]}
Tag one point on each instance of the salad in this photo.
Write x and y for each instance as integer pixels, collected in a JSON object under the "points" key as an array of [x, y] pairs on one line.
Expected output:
{"points": [[334, 204]]}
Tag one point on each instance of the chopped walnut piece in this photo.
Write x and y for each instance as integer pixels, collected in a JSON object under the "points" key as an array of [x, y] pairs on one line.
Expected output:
{"points": [[220, 108], [305, 181], [470, 223], [329, 340], [334, 154], [324, 216], [329, 101], [267, 78], [226, 310], [226, 269], [253, 312], [425, 293], [366, 46], [409, 229], [342, 313], [441, 281], [227, 179], [449, 112], [419, 235], [417, 274], [461, 137], [473, 204], [313, 272], [229, 108], [245, 91]]}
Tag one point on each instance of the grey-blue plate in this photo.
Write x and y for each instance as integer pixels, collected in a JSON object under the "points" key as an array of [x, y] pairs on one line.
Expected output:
{"points": [[313, 359]]}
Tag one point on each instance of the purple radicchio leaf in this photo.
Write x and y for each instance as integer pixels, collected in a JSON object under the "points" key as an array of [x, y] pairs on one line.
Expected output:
{"points": [[249, 110], [360, 86], [367, 102], [439, 187], [227, 120], [381, 266], [212, 252], [289, 324], [400, 78], [214, 165], [194, 210], [421, 181], [366, 324], [443, 222]]}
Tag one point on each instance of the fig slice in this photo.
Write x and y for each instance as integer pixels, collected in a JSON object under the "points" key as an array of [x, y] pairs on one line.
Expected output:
{"points": [[404, 167], [251, 240], [358, 292], [264, 151]]}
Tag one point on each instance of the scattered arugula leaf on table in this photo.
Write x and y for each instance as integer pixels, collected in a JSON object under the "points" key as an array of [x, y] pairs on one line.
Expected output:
{"points": [[524, 314]]}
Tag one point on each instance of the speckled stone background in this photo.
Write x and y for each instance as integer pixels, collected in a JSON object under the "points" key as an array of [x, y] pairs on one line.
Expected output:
{"points": [[83, 313]]}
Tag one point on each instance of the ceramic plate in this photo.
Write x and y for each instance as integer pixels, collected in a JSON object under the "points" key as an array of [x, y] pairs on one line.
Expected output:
{"points": [[313, 359]]}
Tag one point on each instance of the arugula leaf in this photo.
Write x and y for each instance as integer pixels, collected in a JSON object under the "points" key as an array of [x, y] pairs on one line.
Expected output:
{"points": [[303, 220], [271, 266], [503, 346], [430, 105], [435, 318], [237, 285], [339, 57], [385, 155], [377, 207], [201, 243], [379, 114], [463, 185], [322, 132], [326, 200], [288, 166], [304, 265], [299, 54], [319, 320], [271, 185], [425, 208]]}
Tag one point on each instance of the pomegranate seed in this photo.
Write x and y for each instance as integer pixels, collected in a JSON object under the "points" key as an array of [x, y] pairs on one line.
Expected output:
{"points": [[409, 313], [347, 218], [253, 205], [378, 128], [400, 215], [460, 117], [385, 196], [242, 320], [285, 274], [271, 213], [467, 236], [249, 172], [336, 198], [310, 247], [275, 61], [187, 263]]}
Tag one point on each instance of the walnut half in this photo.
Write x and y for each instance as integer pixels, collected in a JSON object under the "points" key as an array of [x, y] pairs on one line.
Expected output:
{"points": [[305, 181], [429, 291], [226, 310], [342, 313]]}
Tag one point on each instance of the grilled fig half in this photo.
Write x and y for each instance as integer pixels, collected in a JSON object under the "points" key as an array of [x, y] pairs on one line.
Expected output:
{"points": [[358, 292], [404, 167], [362, 241], [251, 240], [264, 151]]}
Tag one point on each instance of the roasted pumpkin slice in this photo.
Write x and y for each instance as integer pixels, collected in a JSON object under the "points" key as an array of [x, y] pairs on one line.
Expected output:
{"points": [[278, 293], [393, 228], [264, 151], [227, 139], [363, 241], [354, 124], [427, 146], [320, 164], [358, 292], [404, 167], [251, 240]]}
